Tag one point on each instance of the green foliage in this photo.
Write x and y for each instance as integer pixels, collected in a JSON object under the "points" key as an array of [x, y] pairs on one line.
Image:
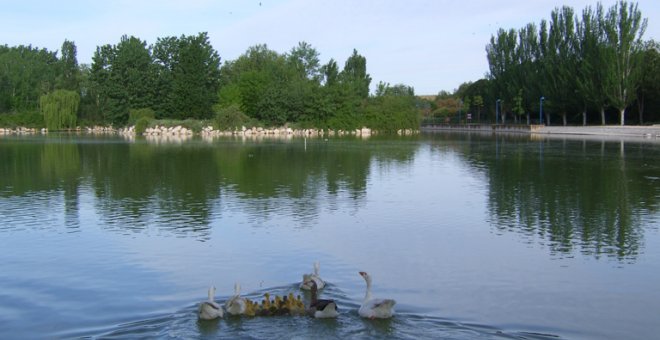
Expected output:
{"points": [[390, 113], [518, 108], [180, 78], [69, 73], [60, 109], [230, 117], [123, 76], [135, 114], [305, 60], [624, 28], [141, 124], [26, 73], [649, 89], [355, 75], [575, 62], [229, 94], [189, 74], [330, 72], [31, 119]]}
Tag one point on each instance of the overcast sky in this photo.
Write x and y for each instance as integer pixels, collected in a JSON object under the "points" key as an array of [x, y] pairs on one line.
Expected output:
{"points": [[430, 45]]}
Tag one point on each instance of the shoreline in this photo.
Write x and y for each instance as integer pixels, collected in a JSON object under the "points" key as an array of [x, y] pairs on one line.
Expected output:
{"points": [[626, 131], [629, 131], [206, 132]]}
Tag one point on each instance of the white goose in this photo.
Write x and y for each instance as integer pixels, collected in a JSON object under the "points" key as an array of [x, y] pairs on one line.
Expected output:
{"points": [[237, 304], [209, 310], [375, 308], [306, 283]]}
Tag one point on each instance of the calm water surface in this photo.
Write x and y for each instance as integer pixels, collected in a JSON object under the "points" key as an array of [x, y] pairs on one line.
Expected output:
{"points": [[474, 236]]}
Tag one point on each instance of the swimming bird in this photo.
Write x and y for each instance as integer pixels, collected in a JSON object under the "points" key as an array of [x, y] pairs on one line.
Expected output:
{"points": [[250, 308], [209, 310], [321, 308], [237, 304], [306, 284], [375, 308]]}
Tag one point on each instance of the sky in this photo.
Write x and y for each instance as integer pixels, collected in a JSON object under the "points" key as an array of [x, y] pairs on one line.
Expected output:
{"points": [[430, 45]]}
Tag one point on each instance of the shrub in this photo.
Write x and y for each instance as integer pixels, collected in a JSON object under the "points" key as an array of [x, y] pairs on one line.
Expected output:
{"points": [[141, 125], [230, 117], [135, 114], [31, 119]]}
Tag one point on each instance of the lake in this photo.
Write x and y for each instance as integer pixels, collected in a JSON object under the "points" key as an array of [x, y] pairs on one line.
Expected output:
{"points": [[474, 235]]}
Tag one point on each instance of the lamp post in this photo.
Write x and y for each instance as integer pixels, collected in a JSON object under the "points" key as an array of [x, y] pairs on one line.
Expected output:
{"points": [[541, 111], [497, 110]]}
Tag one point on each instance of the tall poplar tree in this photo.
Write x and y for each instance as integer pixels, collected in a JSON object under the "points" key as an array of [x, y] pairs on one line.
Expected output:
{"points": [[649, 85], [69, 77], [559, 62], [624, 28], [591, 68], [355, 75]]}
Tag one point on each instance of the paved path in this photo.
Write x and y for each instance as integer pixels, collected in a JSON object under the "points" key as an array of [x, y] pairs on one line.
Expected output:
{"points": [[651, 131]]}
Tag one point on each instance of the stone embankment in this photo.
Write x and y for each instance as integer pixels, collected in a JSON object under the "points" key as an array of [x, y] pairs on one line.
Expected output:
{"points": [[209, 132], [628, 131], [22, 131], [650, 131]]}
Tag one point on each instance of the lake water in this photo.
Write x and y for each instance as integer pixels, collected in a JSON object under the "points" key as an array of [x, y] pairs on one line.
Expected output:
{"points": [[474, 236]]}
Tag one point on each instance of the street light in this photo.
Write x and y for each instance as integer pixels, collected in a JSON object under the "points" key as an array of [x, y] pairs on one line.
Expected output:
{"points": [[497, 110], [541, 111]]}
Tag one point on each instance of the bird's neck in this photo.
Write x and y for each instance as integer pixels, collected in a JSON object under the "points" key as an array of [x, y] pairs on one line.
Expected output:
{"points": [[367, 295], [314, 299]]}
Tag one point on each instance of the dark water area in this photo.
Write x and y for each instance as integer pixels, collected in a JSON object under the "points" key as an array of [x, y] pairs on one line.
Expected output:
{"points": [[474, 236]]}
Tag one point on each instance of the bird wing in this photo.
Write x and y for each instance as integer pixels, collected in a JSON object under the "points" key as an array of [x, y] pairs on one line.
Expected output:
{"points": [[322, 304]]}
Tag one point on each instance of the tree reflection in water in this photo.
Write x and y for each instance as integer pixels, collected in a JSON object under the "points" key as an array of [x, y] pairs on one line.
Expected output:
{"points": [[590, 196], [572, 195], [181, 187]]}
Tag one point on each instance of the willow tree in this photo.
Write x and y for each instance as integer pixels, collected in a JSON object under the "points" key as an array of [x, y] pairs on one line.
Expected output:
{"points": [[60, 109], [624, 28]]}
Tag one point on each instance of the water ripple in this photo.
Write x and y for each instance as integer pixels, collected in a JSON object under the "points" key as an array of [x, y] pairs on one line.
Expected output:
{"points": [[183, 324]]}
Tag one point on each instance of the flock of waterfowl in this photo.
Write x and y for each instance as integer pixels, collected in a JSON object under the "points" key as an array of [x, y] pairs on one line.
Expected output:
{"points": [[293, 305]]}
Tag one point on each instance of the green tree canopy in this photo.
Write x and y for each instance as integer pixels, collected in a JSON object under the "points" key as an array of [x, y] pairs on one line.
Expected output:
{"points": [[189, 76]]}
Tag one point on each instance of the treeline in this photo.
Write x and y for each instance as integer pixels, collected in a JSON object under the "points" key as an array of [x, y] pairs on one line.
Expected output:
{"points": [[180, 78], [587, 68], [573, 63]]}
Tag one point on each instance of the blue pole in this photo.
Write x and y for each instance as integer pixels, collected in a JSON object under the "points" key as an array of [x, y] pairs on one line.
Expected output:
{"points": [[541, 111]]}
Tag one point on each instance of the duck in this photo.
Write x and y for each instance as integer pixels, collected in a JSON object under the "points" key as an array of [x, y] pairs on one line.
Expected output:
{"points": [[251, 308], [375, 308], [237, 304], [306, 283], [209, 310], [295, 305], [321, 308], [265, 307]]}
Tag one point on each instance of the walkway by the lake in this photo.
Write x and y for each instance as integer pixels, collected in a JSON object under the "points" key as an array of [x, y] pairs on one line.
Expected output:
{"points": [[648, 131]]}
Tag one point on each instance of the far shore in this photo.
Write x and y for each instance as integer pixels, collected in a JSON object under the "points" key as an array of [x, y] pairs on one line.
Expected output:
{"points": [[595, 131], [207, 131], [634, 131]]}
